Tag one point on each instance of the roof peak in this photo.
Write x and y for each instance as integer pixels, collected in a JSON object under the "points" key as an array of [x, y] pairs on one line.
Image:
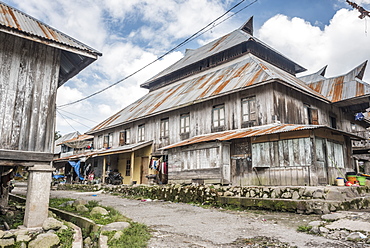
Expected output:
{"points": [[248, 26]]}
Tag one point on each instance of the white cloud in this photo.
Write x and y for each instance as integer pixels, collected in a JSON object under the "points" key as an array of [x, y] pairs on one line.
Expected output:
{"points": [[343, 44]]}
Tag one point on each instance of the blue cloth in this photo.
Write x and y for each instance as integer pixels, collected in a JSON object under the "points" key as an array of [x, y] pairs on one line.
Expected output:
{"points": [[359, 117], [76, 166]]}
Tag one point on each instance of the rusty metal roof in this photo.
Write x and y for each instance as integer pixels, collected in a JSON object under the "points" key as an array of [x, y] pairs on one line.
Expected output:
{"points": [[19, 21], [81, 137], [342, 87], [75, 55], [117, 150], [236, 75], [228, 41], [249, 132]]}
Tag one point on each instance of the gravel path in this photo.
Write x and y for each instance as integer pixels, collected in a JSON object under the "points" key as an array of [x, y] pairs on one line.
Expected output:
{"points": [[185, 225]]}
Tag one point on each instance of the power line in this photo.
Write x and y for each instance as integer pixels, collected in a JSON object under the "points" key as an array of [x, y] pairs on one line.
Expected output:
{"points": [[72, 120], [66, 120], [160, 57], [95, 122]]}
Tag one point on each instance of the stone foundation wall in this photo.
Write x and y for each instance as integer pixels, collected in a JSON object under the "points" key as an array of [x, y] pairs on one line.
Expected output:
{"points": [[283, 198]]}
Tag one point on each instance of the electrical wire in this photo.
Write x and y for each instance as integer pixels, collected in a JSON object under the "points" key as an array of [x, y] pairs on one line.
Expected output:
{"points": [[160, 57], [95, 122], [66, 120], [63, 116]]}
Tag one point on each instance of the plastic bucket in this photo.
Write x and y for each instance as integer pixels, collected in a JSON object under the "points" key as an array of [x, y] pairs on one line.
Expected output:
{"points": [[352, 178], [339, 181], [361, 180]]}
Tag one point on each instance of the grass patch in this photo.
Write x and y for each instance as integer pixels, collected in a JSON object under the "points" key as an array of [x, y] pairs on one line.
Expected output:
{"points": [[15, 216], [66, 237], [135, 236], [304, 229]]}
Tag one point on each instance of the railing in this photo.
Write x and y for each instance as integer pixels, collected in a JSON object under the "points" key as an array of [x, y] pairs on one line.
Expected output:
{"points": [[362, 143]]}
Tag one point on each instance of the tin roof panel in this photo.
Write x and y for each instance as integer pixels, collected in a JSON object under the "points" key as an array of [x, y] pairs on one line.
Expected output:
{"points": [[233, 76], [246, 133], [18, 21]]}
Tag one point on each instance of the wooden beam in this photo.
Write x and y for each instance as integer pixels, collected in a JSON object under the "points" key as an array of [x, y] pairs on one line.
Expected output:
{"points": [[12, 156]]}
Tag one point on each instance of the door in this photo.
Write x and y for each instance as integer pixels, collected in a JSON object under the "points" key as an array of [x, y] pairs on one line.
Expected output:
{"points": [[144, 170], [321, 162]]}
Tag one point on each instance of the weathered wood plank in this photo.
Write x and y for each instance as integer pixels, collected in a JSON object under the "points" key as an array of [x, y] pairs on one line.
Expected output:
{"points": [[25, 156]]}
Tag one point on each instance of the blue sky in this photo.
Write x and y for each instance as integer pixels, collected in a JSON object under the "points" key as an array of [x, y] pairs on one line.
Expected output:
{"points": [[132, 33]]}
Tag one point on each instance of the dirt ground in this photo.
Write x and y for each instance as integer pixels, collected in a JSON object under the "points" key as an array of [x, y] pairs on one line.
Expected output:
{"points": [[185, 225]]}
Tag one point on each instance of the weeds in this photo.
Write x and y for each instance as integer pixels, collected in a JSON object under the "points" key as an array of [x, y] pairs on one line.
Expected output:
{"points": [[137, 235], [304, 229]]}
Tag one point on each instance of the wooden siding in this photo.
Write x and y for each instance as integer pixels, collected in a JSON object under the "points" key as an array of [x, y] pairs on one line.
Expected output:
{"points": [[28, 83]]}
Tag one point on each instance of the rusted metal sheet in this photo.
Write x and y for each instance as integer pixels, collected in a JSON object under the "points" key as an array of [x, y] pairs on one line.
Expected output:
{"points": [[248, 132], [226, 42], [18, 21], [339, 88], [246, 71]]}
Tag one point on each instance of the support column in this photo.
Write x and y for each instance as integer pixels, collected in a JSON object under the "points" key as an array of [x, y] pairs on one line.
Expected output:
{"points": [[38, 193], [104, 169]]}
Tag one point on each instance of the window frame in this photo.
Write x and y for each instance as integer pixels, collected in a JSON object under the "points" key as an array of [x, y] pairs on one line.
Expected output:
{"points": [[249, 110], [218, 122], [124, 137], [141, 132], [128, 168], [185, 123], [164, 128]]}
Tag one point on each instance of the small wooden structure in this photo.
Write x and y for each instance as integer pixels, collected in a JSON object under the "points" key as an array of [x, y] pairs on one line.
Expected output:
{"points": [[35, 60]]}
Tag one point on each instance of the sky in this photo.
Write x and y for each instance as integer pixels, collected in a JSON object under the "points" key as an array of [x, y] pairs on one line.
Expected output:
{"points": [[133, 33]]}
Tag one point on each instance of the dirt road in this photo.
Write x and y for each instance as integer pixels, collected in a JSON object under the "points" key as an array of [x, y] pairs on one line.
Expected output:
{"points": [[184, 225]]}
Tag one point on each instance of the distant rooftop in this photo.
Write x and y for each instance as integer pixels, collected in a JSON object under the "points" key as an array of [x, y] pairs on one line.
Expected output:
{"points": [[226, 48]]}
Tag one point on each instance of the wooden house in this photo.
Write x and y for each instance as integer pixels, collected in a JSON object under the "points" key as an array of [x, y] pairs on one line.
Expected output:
{"points": [[35, 59], [234, 112]]}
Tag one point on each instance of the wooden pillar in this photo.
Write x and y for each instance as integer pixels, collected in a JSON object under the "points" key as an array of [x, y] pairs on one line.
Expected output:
{"points": [[38, 193], [104, 169]]}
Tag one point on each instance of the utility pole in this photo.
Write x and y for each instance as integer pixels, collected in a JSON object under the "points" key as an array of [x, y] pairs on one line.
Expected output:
{"points": [[364, 12]]}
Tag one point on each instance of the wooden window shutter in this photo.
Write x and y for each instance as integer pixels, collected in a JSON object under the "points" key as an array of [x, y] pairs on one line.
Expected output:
{"points": [[315, 116], [122, 138]]}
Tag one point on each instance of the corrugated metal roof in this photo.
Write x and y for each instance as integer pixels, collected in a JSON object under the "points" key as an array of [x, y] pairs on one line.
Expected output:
{"points": [[75, 55], [248, 132], [235, 75], [81, 137], [19, 21], [230, 40], [117, 150], [66, 137], [342, 87]]}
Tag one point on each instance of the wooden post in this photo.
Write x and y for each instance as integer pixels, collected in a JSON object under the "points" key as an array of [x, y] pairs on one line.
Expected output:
{"points": [[104, 169]]}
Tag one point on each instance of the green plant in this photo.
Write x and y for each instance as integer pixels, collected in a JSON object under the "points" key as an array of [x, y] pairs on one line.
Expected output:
{"points": [[304, 228], [135, 236], [65, 237]]}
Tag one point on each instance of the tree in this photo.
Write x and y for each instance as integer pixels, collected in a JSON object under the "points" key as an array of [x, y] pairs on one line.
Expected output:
{"points": [[57, 135]]}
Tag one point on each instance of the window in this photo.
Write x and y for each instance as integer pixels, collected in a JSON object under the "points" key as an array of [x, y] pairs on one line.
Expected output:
{"points": [[124, 137], [128, 167], [164, 128], [141, 132], [100, 141], [249, 110], [333, 122], [106, 141], [353, 127], [185, 123], [110, 139], [312, 115], [218, 116]]}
